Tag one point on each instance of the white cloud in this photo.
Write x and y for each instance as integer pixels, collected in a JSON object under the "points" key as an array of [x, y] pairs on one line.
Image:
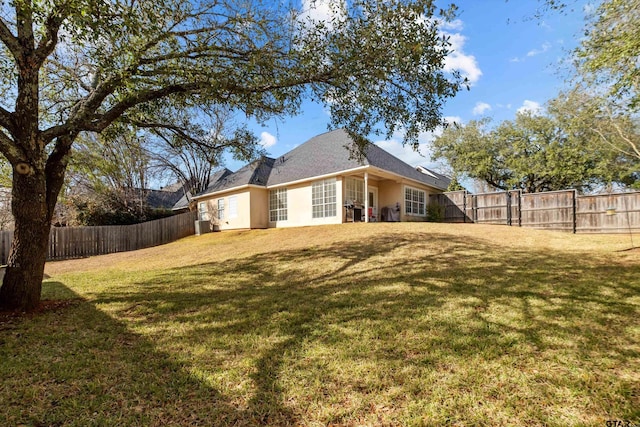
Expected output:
{"points": [[545, 47], [481, 108], [267, 140], [458, 60], [321, 11], [450, 120], [404, 152], [529, 106], [455, 25], [407, 154]]}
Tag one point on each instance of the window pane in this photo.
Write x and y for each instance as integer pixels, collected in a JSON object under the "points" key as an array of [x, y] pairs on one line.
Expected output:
{"points": [[220, 208], [278, 205]]}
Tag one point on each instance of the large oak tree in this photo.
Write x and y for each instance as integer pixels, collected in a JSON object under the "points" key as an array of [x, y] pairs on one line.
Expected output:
{"points": [[72, 66]]}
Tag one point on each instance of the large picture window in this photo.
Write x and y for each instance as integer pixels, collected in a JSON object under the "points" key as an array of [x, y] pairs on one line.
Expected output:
{"points": [[354, 189], [414, 201], [278, 205], [323, 198]]}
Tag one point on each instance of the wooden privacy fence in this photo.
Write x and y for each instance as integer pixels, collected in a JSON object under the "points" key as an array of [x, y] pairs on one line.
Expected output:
{"points": [[554, 210], [79, 242]]}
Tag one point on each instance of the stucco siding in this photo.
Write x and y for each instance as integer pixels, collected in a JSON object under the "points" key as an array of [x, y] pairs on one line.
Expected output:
{"points": [[259, 208], [299, 207], [233, 218], [389, 193]]}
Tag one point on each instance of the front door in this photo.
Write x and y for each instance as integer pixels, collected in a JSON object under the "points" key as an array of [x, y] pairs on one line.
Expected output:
{"points": [[373, 203]]}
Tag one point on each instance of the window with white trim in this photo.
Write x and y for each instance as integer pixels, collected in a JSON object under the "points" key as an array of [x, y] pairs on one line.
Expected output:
{"points": [[278, 205], [414, 201], [221, 209], [203, 215], [354, 189], [233, 207], [323, 198]]}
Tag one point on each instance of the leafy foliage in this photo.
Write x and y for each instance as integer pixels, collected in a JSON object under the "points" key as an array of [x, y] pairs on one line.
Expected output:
{"points": [[610, 50], [559, 150]]}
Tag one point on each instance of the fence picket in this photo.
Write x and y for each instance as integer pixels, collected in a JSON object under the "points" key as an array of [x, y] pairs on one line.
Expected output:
{"points": [[554, 210], [78, 242]]}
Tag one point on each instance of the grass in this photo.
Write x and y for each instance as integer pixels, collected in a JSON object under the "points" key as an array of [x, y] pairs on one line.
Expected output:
{"points": [[359, 324]]}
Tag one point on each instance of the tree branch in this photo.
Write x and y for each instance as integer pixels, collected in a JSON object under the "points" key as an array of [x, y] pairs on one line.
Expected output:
{"points": [[10, 41], [9, 149], [7, 120], [50, 38]]}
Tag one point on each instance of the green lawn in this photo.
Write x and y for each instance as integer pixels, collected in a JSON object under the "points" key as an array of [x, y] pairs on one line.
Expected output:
{"points": [[358, 324]]}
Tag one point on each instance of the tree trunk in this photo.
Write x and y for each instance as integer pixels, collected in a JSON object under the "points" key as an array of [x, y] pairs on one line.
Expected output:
{"points": [[23, 278]]}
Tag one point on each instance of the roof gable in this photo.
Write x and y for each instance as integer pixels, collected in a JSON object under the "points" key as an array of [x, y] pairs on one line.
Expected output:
{"points": [[255, 173], [330, 153]]}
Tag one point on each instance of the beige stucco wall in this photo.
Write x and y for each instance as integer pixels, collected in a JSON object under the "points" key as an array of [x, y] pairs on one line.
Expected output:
{"points": [[299, 208], [243, 218], [259, 207], [389, 193]]}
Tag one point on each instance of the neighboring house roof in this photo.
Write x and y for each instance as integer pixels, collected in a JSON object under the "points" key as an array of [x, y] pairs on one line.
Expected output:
{"points": [[325, 154], [162, 199], [445, 180]]}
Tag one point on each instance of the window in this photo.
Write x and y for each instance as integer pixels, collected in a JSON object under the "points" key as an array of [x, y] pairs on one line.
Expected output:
{"points": [[221, 209], [278, 205], [354, 191], [323, 198], [203, 215], [414, 201], [233, 207]]}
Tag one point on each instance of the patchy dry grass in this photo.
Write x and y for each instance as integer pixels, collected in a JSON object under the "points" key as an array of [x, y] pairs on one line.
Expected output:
{"points": [[359, 324]]}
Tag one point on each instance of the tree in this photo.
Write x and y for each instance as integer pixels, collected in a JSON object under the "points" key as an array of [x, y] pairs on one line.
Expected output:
{"points": [[534, 153], [613, 132], [609, 53], [191, 149], [72, 66], [109, 177]]}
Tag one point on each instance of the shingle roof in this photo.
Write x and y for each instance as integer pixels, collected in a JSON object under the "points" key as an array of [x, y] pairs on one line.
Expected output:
{"points": [[183, 203], [256, 173], [324, 154], [161, 199], [329, 153]]}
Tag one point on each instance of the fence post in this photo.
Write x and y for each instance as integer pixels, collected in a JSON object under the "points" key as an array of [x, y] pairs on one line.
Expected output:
{"points": [[574, 213], [508, 196], [464, 206]]}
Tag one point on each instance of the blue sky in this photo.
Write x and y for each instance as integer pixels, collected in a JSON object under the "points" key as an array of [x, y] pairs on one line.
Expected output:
{"points": [[512, 59]]}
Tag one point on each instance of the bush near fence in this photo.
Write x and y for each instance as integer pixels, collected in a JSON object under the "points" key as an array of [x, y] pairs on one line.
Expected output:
{"points": [[80, 242], [555, 210]]}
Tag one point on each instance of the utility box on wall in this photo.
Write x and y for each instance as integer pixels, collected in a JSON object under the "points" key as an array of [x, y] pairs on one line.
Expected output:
{"points": [[203, 227]]}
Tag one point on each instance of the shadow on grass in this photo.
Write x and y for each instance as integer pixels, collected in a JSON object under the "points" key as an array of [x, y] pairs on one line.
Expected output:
{"points": [[426, 329], [79, 366]]}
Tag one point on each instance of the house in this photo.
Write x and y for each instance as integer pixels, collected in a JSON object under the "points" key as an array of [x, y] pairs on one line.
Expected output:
{"points": [[319, 182]]}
